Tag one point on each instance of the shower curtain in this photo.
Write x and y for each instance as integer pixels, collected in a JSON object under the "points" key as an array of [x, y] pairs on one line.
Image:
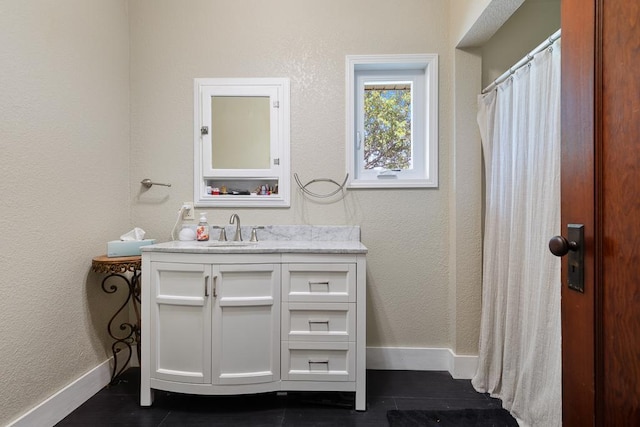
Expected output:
{"points": [[520, 341]]}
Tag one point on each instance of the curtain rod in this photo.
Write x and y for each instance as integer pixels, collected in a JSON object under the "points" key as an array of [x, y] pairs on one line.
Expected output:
{"points": [[524, 61]]}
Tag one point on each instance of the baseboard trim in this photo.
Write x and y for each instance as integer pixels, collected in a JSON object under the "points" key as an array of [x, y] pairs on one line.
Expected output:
{"points": [[65, 401], [422, 359]]}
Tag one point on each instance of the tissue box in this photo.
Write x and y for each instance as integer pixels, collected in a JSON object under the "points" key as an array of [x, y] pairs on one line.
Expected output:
{"points": [[118, 248]]}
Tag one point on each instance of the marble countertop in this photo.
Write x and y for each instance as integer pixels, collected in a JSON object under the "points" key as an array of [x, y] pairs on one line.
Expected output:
{"points": [[275, 239], [267, 246]]}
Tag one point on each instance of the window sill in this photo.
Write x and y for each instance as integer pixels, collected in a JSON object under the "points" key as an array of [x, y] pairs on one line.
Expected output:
{"points": [[392, 183]]}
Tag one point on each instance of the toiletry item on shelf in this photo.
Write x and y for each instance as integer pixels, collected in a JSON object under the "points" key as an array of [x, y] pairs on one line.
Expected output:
{"points": [[202, 230]]}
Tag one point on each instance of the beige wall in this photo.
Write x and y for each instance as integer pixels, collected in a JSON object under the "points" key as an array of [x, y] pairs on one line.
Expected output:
{"points": [[464, 14], [64, 181], [529, 26], [473, 22], [465, 200], [406, 231]]}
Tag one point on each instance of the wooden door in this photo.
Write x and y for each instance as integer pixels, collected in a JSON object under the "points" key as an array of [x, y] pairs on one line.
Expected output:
{"points": [[620, 187], [601, 189]]}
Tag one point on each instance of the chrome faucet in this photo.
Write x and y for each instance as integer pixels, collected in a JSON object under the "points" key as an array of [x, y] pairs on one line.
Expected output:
{"points": [[236, 219]]}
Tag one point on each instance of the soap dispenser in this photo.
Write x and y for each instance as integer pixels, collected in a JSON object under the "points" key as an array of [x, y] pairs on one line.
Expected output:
{"points": [[202, 231]]}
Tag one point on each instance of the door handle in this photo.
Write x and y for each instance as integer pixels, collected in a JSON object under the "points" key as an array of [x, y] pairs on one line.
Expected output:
{"points": [[560, 246], [573, 245]]}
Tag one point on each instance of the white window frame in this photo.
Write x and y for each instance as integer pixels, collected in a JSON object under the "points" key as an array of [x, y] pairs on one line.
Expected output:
{"points": [[422, 71]]}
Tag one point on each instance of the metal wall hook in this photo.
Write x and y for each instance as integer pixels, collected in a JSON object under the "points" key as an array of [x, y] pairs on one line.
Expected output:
{"points": [[148, 183], [311, 193]]}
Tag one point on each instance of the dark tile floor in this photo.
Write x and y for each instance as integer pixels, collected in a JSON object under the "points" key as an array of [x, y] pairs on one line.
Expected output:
{"points": [[117, 405]]}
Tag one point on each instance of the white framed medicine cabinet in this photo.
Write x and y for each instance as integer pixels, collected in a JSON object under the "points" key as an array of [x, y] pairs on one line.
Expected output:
{"points": [[241, 142]]}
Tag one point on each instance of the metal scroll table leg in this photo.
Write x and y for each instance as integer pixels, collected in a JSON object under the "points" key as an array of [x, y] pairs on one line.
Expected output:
{"points": [[125, 334]]}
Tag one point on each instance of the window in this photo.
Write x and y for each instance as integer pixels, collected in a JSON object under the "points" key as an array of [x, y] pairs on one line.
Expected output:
{"points": [[392, 121]]}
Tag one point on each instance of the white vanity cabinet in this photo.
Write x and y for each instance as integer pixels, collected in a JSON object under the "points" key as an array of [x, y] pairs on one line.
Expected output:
{"points": [[239, 323]]}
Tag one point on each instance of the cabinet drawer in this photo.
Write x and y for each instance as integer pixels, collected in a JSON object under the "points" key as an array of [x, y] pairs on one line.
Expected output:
{"points": [[321, 361], [319, 282], [318, 321]]}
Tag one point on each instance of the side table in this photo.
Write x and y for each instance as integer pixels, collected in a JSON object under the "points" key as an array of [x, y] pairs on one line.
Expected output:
{"points": [[126, 334]]}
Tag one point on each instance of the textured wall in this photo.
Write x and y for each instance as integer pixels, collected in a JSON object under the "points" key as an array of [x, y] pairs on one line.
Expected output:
{"points": [[64, 180], [465, 228], [407, 231], [533, 22], [464, 14], [473, 22]]}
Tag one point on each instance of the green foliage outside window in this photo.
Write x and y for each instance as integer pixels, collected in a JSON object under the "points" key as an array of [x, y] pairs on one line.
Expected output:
{"points": [[387, 128]]}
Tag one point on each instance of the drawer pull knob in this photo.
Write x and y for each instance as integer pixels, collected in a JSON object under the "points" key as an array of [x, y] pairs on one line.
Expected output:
{"points": [[324, 363], [319, 324], [316, 284]]}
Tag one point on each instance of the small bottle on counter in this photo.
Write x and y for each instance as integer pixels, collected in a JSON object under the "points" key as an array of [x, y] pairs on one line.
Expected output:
{"points": [[202, 230]]}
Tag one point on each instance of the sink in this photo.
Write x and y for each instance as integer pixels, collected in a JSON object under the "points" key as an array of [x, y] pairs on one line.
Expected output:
{"points": [[218, 244]]}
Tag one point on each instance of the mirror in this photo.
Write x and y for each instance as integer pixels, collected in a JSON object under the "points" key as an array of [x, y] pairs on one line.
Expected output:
{"points": [[240, 135]]}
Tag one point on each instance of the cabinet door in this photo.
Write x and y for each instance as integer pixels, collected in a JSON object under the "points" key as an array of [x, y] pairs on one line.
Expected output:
{"points": [[180, 328], [246, 336]]}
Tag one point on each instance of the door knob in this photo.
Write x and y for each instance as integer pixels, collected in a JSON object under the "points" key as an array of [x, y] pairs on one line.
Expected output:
{"points": [[560, 246], [574, 246]]}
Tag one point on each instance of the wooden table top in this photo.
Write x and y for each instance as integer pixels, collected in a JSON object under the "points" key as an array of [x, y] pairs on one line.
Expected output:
{"points": [[105, 264]]}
